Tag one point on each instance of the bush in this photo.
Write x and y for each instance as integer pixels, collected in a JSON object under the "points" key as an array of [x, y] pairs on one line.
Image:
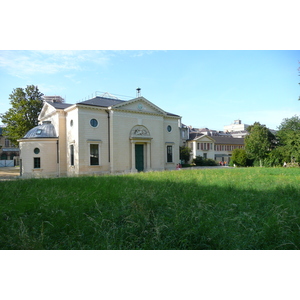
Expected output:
{"points": [[200, 161], [185, 153], [239, 157]]}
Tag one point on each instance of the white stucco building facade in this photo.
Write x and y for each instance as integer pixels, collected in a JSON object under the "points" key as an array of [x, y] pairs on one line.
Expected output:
{"points": [[101, 135], [218, 148]]}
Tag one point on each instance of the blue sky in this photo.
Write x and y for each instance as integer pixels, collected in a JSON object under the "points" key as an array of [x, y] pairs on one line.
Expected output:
{"points": [[207, 88]]}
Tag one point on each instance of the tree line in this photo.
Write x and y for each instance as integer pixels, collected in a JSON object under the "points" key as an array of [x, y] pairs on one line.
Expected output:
{"points": [[263, 148]]}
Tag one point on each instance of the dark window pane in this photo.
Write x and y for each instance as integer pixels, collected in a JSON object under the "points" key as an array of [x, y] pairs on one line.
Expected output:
{"points": [[94, 154]]}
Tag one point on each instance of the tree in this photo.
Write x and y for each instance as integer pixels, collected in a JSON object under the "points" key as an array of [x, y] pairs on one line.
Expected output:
{"points": [[185, 153], [259, 142], [289, 138], [239, 157], [23, 115]]}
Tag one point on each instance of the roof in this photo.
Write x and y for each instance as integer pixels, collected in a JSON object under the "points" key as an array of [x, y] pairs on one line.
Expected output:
{"points": [[101, 101], [218, 139], [173, 115], [107, 102], [46, 130], [195, 135], [59, 105], [228, 140]]}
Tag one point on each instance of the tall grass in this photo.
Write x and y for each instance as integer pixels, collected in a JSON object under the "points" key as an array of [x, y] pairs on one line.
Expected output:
{"points": [[252, 208]]}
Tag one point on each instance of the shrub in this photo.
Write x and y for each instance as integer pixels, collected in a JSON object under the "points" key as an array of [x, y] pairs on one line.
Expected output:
{"points": [[200, 161], [239, 157], [185, 153]]}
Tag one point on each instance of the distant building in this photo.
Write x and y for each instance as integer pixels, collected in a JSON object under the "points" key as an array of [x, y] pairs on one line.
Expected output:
{"points": [[7, 150], [218, 148], [236, 126], [54, 99]]}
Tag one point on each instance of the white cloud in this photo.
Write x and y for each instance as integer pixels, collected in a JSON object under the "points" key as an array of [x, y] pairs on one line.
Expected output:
{"points": [[24, 63], [49, 89]]}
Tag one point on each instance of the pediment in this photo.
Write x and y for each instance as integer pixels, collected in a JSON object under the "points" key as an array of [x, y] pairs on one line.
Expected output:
{"points": [[140, 105], [47, 110], [205, 138]]}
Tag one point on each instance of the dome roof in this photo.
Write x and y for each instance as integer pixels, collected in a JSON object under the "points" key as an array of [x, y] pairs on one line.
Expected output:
{"points": [[46, 130]]}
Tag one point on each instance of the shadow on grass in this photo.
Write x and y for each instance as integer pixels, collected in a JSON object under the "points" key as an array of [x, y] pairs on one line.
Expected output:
{"points": [[144, 212]]}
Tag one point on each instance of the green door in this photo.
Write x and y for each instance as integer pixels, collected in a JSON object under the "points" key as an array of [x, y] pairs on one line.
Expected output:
{"points": [[139, 157]]}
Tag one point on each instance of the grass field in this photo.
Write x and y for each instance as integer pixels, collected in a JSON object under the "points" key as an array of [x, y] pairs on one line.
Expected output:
{"points": [[251, 208]]}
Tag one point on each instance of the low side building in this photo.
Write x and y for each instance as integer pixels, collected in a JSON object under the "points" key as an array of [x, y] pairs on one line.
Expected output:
{"points": [[218, 148]]}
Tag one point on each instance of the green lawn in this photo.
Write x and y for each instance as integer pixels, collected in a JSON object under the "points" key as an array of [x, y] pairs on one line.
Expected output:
{"points": [[250, 208]]}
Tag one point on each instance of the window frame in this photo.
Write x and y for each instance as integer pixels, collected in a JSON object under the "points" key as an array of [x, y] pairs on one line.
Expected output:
{"points": [[169, 154], [36, 162], [90, 154], [72, 160], [92, 121]]}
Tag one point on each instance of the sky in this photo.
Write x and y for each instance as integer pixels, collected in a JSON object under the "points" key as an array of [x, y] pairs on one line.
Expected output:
{"points": [[207, 88]]}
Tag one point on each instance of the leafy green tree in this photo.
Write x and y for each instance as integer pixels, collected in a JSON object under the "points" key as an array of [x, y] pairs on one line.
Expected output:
{"points": [[289, 138], [275, 158], [259, 142], [185, 154], [23, 115], [239, 157]]}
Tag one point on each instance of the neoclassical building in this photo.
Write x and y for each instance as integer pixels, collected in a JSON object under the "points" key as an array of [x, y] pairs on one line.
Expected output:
{"points": [[218, 148], [100, 135]]}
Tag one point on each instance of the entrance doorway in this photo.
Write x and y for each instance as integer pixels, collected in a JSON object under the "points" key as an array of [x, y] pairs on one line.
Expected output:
{"points": [[139, 157]]}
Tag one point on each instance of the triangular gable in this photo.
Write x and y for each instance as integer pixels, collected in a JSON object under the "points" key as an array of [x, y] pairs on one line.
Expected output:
{"points": [[141, 105], [205, 138], [47, 109]]}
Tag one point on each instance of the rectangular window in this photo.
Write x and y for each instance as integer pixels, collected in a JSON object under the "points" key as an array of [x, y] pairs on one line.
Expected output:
{"points": [[169, 154], [198, 146], [36, 162], [72, 155], [94, 154]]}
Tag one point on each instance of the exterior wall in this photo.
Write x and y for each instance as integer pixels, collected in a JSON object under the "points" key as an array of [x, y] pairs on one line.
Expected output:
{"points": [[203, 147], [172, 138], [72, 129], [122, 147], [223, 152], [47, 155], [62, 142], [92, 135], [58, 119]]}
